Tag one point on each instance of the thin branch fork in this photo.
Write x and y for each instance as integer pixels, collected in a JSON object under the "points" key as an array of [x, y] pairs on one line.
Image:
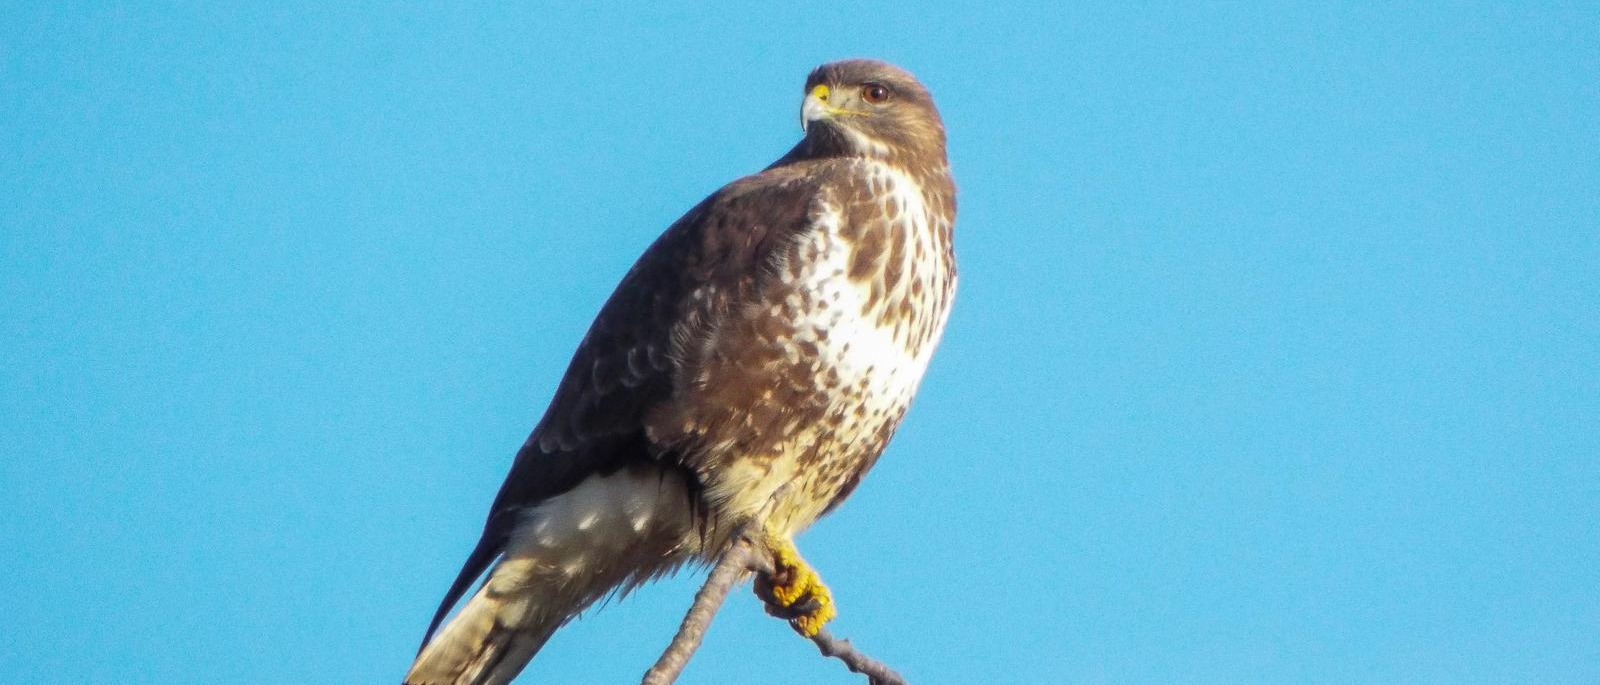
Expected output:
{"points": [[744, 555]]}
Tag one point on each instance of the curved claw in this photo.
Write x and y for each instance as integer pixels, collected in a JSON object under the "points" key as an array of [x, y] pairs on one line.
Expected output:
{"points": [[795, 592]]}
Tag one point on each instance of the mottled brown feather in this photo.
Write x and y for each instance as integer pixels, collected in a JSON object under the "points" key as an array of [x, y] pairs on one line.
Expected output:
{"points": [[694, 362]]}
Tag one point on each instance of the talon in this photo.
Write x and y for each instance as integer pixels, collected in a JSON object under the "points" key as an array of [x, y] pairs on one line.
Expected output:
{"points": [[812, 623], [807, 605], [795, 592]]}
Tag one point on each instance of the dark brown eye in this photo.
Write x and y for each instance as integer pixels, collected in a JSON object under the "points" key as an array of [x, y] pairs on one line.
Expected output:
{"points": [[875, 93]]}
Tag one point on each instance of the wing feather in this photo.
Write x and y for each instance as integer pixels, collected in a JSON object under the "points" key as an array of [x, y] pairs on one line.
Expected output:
{"points": [[701, 267]]}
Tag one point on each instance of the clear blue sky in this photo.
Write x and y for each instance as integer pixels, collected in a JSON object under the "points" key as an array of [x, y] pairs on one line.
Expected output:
{"points": [[1277, 358]]}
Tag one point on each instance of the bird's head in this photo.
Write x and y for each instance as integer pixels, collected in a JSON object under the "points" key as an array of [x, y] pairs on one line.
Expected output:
{"points": [[866, 108]]}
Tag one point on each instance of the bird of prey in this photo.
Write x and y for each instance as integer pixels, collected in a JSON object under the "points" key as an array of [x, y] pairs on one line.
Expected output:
{"points": [[748, 371]]}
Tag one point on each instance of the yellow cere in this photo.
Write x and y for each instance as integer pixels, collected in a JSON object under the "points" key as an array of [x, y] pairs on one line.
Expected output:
{"points": [[821, 92]]}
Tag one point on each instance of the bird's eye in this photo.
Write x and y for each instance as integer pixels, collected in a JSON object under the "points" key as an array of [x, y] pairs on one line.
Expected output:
{"points": [[875, 93]]}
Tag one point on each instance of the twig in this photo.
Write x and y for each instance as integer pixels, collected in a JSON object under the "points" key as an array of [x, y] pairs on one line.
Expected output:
{"points": [[707, 601], [877, 672], [740, 558]]}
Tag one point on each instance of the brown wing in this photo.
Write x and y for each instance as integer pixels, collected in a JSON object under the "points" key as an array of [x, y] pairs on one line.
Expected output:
{"points": [[703, 265]]}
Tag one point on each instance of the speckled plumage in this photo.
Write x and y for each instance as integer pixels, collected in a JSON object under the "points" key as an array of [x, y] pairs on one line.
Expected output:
{"points": [[752, 366]]}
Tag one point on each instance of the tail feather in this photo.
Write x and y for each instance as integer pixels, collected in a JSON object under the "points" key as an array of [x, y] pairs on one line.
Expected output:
{"points": [[490, 641], [608, 532], [482, 555]]}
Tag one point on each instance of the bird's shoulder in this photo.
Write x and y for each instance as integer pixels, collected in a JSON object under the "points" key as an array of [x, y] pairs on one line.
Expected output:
{"points": [[703, 265]]}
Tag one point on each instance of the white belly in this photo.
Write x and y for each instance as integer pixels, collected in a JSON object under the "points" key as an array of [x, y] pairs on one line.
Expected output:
{"points": [[867, 354]]}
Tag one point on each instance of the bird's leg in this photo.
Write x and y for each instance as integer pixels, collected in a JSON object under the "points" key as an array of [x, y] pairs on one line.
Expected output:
{"points": [[793, 590]]}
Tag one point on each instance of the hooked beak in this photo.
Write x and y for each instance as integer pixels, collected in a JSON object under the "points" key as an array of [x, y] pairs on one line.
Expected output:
{"points": [[815, 107]]}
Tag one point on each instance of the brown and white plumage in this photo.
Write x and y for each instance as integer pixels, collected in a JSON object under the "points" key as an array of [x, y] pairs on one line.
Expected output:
{"points": [[751, 366]]}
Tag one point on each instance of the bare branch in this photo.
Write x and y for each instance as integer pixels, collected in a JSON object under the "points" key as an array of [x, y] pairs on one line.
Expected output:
{"points": [[742, 557], [877, 672], [727, 573]]}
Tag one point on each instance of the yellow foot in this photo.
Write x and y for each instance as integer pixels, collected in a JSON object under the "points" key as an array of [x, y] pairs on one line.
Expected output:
{"points": [[794, 591]]}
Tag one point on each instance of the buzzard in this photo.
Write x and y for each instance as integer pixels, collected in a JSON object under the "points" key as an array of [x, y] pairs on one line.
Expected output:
{"points": [[748, 370]]}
